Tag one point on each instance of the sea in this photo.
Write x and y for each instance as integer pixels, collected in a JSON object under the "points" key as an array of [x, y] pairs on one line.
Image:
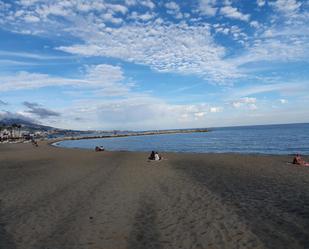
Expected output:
{"points": [[283, 139]]}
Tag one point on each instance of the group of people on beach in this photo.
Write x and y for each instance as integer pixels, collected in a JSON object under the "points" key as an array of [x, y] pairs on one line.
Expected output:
{"points": [[154, 156], [298, 160]]}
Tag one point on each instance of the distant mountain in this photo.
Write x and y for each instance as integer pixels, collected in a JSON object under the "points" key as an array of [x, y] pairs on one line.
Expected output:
{"points": [[25, 124]]}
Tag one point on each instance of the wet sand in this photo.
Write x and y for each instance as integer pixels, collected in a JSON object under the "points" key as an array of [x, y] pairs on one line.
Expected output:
{"points": [[68, 198]]}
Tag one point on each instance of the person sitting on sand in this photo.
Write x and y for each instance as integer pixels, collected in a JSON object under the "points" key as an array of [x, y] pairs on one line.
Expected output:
{"points": [[157, 157], [99, 148], [152, 156], [299, 161]]}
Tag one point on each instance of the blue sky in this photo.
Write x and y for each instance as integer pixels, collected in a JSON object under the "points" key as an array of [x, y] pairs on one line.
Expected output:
{"points": [[107, 64]]}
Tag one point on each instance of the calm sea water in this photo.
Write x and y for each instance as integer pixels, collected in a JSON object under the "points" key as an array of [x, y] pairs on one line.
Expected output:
{"points": [[266, 139]]}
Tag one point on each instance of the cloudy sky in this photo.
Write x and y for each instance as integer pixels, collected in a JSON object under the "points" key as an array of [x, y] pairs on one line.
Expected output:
{"points": [[146, 64]]}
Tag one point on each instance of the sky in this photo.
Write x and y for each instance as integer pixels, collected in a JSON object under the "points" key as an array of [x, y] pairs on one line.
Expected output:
{"points": [[145, 64]]}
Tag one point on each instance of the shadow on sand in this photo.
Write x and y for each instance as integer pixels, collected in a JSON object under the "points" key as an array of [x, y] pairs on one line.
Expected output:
{"points": [[144, 233]]}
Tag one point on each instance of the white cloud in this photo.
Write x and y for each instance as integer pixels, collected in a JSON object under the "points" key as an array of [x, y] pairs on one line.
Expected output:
{"points": [[30, 18], [173, 9], [25, 80], [292, 88], [147, 3], [137, 112], [14, 115], [166, 48], [118, 8], [28, 2], [143, 17], [130, 2], [103, 79], [57, 10], [283, 101], [279, 44], [234, 13], [252, 107], [199, 114], [172, 6], [139, 35], [216, 109], [246, 102], [207, 7], [255, 24], [109, 17], [14, 63], [287, 7], [34, 56], [260, 3]]}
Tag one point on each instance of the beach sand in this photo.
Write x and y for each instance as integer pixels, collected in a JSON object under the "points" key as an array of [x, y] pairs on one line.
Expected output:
{"points": [[54, 198]]}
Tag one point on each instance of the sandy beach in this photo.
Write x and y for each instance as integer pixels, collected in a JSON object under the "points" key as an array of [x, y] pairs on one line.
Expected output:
{"points": [[54, 198]]}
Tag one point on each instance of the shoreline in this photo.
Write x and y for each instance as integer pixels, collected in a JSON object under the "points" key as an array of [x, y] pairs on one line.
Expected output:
{"points": [[184, 152], [52, 143]]}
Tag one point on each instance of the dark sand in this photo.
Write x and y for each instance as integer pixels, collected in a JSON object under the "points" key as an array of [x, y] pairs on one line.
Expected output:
{"points": [[52, 198]]}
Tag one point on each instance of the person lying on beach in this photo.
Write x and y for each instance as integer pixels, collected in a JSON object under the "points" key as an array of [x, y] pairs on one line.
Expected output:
{"points": [[299, 161], [99, 148]]}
